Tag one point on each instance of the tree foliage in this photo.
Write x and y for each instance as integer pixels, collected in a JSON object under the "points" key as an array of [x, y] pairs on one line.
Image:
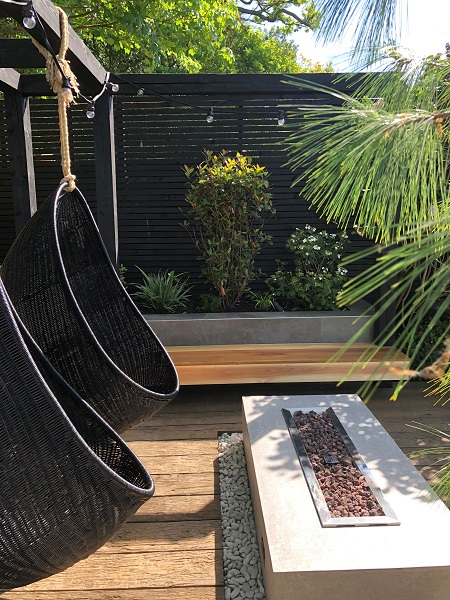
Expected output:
{"points": [[192, 35]]}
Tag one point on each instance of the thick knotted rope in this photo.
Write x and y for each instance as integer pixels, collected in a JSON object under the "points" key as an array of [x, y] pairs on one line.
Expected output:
{"points": [[64, 94]]}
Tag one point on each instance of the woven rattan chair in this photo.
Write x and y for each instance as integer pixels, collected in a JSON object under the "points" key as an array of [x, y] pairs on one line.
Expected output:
{"points": [[69, 296], [67, 480]]}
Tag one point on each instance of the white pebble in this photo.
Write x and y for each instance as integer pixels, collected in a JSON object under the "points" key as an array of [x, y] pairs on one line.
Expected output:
{"points": [[242, 568]]}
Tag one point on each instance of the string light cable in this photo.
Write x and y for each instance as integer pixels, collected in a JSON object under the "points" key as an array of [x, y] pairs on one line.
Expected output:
{"points": [[90, 113], [210, 114]]}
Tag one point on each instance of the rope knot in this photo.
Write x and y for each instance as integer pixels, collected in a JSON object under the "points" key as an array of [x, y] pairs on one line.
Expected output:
{"points": [[70, 180]]}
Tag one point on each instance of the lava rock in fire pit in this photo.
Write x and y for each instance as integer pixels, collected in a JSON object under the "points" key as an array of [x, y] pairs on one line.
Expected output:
{"points": [[344, 487]]}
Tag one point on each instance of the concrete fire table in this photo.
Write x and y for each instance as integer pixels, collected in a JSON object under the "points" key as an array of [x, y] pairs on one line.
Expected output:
{"points": [[301, 559]]}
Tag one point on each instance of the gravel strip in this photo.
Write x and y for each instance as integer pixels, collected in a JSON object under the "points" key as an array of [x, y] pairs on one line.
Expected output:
{"points": [[241, 561]]}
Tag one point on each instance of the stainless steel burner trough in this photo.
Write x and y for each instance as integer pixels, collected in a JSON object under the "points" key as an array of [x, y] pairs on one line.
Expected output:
{"points": [[326, 519], [301, 559]]}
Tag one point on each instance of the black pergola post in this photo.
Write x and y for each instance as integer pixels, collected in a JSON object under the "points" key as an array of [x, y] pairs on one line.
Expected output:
{"points": [[105, 174], [21, 157]]}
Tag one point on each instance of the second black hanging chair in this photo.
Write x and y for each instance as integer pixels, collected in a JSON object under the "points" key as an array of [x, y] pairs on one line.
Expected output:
{"points": [[66, 291], [67, 480]]}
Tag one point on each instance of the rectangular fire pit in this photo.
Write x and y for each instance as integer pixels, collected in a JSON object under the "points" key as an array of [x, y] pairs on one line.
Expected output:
{"points": [[351, 460], [302, 560]]}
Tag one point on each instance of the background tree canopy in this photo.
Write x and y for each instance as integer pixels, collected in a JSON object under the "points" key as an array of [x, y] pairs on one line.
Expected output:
{"points": [[191, 36]]}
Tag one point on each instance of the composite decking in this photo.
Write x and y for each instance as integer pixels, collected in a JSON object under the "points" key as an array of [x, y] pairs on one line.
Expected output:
{"points": [[171, 549]]}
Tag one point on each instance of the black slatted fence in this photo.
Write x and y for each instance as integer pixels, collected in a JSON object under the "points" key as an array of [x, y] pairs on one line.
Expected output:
{"points": [[154, 137]]}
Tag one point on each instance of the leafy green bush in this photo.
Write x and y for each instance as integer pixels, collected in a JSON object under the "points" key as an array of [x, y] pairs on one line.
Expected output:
{"points": [[164, 292], [316, 279], [229, 203], [210, 303]]}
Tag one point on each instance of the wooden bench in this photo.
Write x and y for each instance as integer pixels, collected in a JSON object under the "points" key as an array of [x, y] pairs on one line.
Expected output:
{"points": [[271, 363]]}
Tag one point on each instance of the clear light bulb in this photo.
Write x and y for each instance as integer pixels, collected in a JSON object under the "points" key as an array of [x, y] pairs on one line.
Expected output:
{"points": [[29, 19], [90, 113], [65, 91], [29, 22], [66, 88], [140, 92], [115, 87], [210, 116], [281, 119]]}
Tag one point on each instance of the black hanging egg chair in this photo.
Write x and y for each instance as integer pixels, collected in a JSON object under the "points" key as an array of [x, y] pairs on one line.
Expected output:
{"points": [[67, 293], [68, 481]]}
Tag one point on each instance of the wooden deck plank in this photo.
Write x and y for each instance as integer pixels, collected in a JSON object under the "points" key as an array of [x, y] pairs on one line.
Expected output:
{"points": [[189, 432], [192, 463], [185, 484], [103, 571], [188, 405], [156, 537], [198, 419], [178, 508], [173, 593], [173, 447]]}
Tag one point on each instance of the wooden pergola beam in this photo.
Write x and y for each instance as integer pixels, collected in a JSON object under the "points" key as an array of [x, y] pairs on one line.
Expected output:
{"points": [[89, 71], [9, 80]]}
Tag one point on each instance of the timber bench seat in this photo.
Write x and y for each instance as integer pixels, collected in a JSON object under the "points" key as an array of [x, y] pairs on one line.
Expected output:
{"points": [[273, 363]]}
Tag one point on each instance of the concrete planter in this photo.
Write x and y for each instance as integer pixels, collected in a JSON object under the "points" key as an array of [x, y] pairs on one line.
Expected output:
{"points": [[260, 327]]}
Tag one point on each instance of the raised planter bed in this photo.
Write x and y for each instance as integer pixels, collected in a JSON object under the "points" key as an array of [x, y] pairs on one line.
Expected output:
{"points": [[302, 327]]}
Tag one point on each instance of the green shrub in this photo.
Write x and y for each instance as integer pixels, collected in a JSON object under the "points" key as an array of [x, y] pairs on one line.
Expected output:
{"points": [[263, 301], [210, 303], [229, 203], [316, 279], [164, 292]]}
